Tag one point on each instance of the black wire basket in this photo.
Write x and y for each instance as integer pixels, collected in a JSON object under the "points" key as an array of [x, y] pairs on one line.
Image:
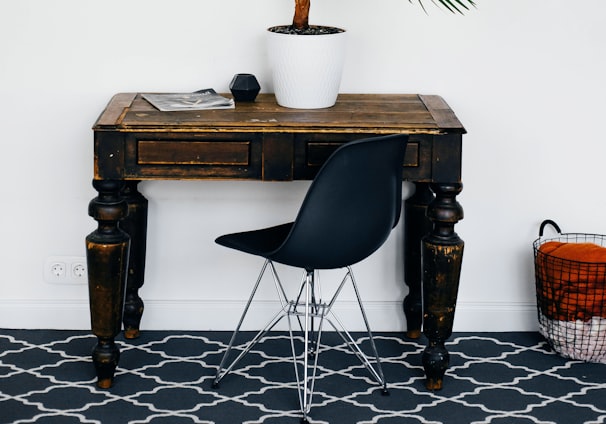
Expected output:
{"points": [[570, 273]]}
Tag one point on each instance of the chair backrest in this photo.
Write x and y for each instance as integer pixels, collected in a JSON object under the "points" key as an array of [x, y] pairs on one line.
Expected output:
{"points": [[351, 206]]}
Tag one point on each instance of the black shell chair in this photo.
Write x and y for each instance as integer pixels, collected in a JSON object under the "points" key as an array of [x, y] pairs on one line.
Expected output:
{"points": [[349, 211]]}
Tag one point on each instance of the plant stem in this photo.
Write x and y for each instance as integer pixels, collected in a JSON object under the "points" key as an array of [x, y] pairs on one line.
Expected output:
{"points": [[301, 18]]}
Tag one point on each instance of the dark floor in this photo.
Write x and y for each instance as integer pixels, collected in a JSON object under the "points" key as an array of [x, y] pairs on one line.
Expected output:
{"points": [[165, 377]]}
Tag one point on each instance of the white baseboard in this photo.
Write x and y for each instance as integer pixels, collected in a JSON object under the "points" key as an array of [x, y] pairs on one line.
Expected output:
{"points": [[496, 316], [191, 315]]}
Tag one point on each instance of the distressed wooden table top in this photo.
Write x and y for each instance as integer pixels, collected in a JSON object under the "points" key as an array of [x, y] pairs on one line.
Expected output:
{"points": [[363, 113]]}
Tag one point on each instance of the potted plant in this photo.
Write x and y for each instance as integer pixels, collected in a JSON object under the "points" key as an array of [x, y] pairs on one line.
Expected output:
{"points": [[307, 60]]}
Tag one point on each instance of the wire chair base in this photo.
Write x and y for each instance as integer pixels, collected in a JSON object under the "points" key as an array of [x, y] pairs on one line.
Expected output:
{"points": [[307, 314]]}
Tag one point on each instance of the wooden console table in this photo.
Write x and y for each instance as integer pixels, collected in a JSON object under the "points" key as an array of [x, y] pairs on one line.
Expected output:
{"points": [[263, 141]]}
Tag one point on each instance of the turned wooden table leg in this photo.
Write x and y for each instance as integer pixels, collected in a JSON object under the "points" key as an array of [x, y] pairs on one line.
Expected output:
{"points": [[135, 225], [416, 226], [107, 258], [442, 256]]}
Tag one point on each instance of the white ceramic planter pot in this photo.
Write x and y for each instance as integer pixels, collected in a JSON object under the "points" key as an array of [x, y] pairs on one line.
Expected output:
{"points": [[306, 69]]}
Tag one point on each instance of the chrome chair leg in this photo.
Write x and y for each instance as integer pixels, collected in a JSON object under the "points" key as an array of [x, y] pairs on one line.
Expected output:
{"points": [[311, 342], [222, 371], [373, 346], [377, 373]]}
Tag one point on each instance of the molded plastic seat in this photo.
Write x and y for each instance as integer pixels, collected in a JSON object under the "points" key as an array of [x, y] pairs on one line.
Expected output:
{"points": [[347, 214]]}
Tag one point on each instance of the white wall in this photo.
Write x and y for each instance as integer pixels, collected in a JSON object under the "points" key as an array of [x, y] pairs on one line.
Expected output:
{"points": [[525, 78]]}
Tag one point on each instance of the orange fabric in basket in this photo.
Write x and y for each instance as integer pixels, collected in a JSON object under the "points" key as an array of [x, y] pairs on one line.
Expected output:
{"points": [[572, 280]]}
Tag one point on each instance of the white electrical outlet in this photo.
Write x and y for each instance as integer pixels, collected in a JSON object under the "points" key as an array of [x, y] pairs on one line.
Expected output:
{"points": [[65, 270]]}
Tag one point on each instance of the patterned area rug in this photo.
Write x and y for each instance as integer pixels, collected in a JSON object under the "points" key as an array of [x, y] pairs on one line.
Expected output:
{"points": [[165, 378]]}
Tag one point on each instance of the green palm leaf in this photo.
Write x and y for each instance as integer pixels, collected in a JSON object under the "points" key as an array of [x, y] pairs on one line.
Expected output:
{"points": [[451, 5]]}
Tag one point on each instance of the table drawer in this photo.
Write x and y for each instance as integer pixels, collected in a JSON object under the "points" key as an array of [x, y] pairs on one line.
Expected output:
{"points": [[227, 153], [194, 156], [312, 152]]}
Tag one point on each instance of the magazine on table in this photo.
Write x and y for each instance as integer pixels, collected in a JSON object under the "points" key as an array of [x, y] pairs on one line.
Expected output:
{"points": [[199, 100]]}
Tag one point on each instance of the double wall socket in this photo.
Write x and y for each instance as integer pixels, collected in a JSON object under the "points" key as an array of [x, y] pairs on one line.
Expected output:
{"points": [[65, 270]]}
